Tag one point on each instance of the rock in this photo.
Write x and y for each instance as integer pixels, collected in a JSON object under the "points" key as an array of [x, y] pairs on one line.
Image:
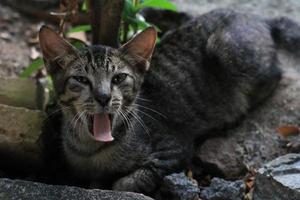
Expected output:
{"points": [[279, 179], [17, 189], [20, 129], [18, 92], [19, 124], [255, 141], [220, 189], [178, 187]]}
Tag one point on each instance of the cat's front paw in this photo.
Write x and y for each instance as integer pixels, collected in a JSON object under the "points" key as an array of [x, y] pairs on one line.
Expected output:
{"points": [[126, 184]]}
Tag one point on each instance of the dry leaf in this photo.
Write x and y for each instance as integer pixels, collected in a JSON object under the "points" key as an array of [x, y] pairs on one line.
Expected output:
{"points": [[34, 54], [190, 174], [250, 184], [249, 181], [288, 130], [5, 35], [78, 35]]}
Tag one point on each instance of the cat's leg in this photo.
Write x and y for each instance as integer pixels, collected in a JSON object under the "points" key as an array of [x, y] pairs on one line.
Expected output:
{"points": [[170, 156], [247, 51]]}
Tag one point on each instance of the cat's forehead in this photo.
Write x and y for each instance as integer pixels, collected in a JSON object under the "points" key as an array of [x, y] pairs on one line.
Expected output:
{"points": [[100, 58]]}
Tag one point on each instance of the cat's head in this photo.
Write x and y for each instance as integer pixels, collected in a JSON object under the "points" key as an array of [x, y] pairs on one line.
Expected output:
{"points": [[97, 85]]}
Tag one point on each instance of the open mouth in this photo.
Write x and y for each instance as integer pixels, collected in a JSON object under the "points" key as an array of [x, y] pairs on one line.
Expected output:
{"points": [[100, 127]]}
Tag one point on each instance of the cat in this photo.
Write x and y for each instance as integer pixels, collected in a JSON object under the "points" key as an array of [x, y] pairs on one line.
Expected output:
{"points": [[128, 123]]}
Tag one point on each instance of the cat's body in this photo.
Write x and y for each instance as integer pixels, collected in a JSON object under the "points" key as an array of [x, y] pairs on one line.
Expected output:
{"points": [[204, 76]]}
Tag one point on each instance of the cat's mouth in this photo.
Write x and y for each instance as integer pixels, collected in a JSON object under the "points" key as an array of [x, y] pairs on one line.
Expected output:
{"points": [[100, 127]]}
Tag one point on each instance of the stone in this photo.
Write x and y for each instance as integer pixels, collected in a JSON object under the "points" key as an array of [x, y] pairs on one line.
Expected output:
{"points": [[178, 186], [20, 124], [18, 92], [221, 189], [17, 189], [279, 179], [20, 129]]}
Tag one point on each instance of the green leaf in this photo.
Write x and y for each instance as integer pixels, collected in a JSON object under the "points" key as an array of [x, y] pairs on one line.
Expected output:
{"points": [[33, 67], [50, 83], [81, 28], [139, 21], [84, 6], [78, 44], [128, 10], [163, 4]]}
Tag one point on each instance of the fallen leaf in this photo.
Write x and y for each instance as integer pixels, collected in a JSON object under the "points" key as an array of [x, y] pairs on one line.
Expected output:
{"points": [[288, 130], [250, 183], [34, 54], [5, 35], [78, 35], [190, 174]]}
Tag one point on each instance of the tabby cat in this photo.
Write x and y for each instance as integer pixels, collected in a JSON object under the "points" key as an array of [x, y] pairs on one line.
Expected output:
{"points": [[129, 123]]}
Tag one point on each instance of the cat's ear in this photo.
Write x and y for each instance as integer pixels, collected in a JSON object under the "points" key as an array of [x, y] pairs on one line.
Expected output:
{"points": [[142, 45], [54, 46]]}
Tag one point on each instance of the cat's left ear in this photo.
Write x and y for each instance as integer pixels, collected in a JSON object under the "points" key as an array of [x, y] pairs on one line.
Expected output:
{"points": [[142, 45]]}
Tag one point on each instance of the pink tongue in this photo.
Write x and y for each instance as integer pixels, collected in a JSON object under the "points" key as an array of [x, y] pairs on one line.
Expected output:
{"points": [[101, 126]]}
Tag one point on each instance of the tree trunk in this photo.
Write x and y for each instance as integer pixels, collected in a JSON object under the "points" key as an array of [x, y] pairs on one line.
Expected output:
{"points": [[105, 21]]}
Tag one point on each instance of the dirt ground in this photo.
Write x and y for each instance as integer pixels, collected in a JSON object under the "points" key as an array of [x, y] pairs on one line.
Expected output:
{"points": [[269, 8], [18, 41]]}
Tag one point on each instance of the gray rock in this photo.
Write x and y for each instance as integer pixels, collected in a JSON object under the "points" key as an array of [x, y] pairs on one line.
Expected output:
{"points": [[279, 179], [178, 187], [220, 189], [25, 190]]}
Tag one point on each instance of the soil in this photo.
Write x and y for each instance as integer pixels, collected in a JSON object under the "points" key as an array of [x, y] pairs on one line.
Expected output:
{"points": [[18, 41]]}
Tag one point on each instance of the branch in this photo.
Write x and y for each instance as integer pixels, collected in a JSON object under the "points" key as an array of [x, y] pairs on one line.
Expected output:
{"points": [[105, 21]]}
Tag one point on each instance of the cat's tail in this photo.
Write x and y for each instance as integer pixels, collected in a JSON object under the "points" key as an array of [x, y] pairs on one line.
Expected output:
{"points": [[286, 34]]}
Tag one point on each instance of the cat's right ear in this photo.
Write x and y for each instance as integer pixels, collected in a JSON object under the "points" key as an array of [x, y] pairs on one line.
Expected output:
{"points": [[54, 46]]}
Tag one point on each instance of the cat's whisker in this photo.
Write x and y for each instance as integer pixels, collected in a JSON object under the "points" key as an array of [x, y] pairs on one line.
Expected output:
{"points": [[148, 115], [150, 109], [70, 126], [58, 110], [81, 127], [130, 125], [143, 99], [139, 120], [124, 118]]}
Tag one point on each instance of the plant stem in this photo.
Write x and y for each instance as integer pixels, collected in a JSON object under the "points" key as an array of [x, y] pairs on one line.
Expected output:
{"points": [[105, 21], [125, 32], [135, 2]]}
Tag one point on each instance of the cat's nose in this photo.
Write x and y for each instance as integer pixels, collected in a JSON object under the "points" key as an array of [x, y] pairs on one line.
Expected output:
{"points": [[103, 97]]}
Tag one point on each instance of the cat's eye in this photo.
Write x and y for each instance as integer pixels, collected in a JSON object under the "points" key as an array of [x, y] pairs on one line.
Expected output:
{"points": [[117, 79], [81, 79]]}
